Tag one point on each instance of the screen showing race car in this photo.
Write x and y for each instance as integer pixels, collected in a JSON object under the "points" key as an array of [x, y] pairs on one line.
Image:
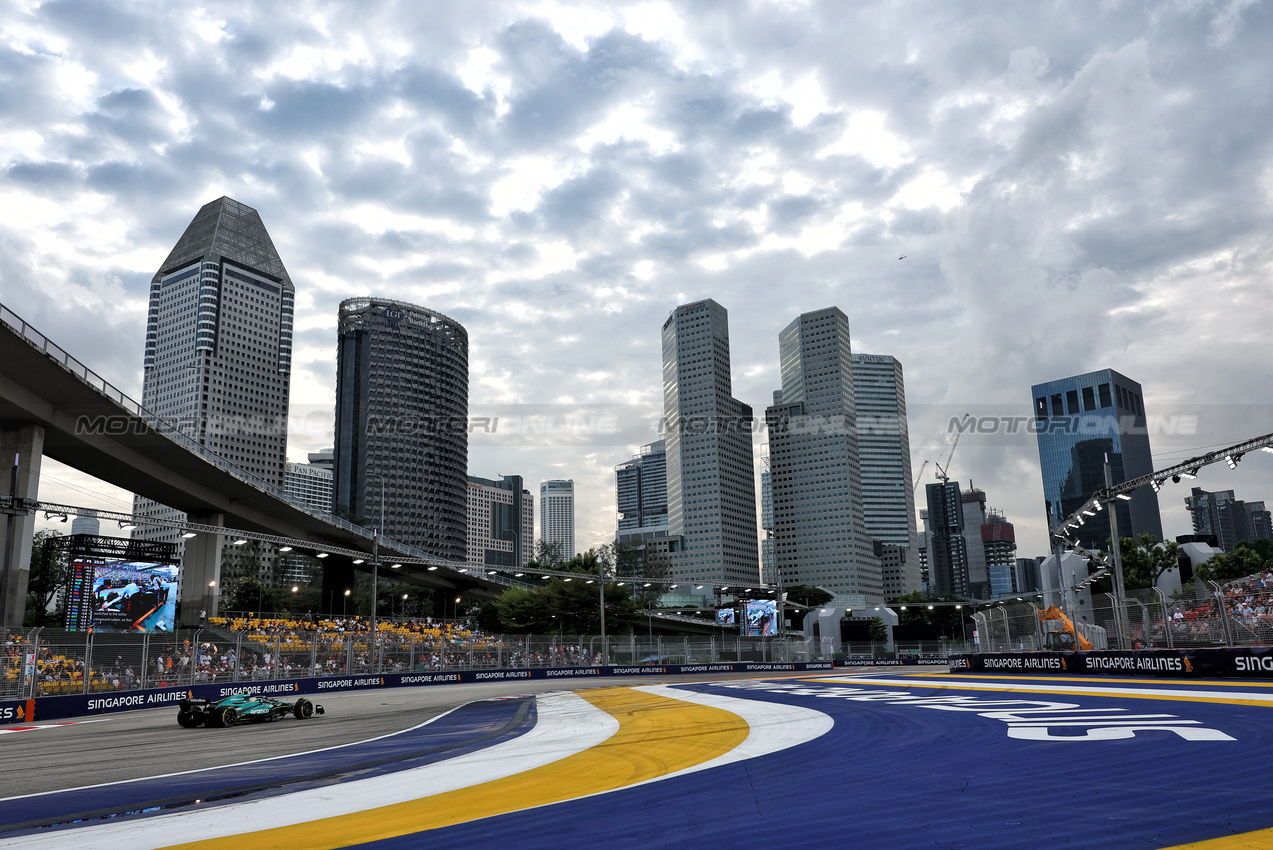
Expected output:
{"points": [[760, 618], [113, 595], [725, 616]]}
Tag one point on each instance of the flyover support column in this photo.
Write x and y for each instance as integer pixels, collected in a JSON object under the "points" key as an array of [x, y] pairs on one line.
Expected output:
{"points": [[201, 571], [21, 450]]}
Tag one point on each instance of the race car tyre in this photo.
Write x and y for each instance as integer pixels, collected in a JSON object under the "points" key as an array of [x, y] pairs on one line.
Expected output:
{"points": [[303, 710], [223, 717], [188, 719]]}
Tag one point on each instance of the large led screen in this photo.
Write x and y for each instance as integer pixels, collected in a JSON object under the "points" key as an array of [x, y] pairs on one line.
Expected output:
{"points": [[760, 618], [725, 616], [113, 595]]}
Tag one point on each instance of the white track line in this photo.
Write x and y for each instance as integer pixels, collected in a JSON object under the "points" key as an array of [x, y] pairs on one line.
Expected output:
{"points": [[1095, 688], [774, 726], [236, 764], [567, 724]]}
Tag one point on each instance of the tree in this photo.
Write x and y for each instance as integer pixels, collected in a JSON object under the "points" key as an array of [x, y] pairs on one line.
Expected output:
{"points": [[811, 597], [1247, 558], [879, 631], [250, 595], [548, 555], [1145, 559], [639, 566], [49, 567], [419, 602], [570, 606], [944, 620]]}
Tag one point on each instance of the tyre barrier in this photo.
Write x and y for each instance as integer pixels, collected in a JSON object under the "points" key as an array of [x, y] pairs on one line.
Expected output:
{"points": [[79, 705]]}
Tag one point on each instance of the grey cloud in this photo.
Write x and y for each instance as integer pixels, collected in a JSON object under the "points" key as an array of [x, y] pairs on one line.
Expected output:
{"points": [[1121, 207], [574, 88]]}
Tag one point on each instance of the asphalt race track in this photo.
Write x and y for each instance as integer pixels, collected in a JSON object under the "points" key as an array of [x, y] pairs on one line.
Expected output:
{"points": [[881, 759]]}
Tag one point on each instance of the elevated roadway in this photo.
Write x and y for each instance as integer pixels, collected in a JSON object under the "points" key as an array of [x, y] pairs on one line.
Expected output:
{"points": [[52, 405]]}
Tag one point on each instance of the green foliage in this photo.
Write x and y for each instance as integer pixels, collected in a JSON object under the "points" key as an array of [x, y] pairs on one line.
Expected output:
{"points": [[548, 555], [48, 575], [249, 594], [419, 602], [639, 566], [879, 631], [567, 606], [307, 598], [809, 596], [1145, 559], [1247, 558], [945, 619]]}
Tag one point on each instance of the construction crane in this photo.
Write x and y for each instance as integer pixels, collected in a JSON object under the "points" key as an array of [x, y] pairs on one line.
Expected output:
{"points": [[950, 453], [920, 476]]}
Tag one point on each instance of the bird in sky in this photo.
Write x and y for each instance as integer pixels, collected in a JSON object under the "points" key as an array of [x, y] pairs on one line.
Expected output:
{"points": [[902, 257]]}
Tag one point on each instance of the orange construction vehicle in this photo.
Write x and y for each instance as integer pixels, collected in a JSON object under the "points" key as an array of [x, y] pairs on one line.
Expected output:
{"points": [[1062, 640]]}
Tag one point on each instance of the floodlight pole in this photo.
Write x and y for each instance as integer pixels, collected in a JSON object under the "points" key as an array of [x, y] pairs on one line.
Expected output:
{"points": [[1115, 550], [601, 580]]}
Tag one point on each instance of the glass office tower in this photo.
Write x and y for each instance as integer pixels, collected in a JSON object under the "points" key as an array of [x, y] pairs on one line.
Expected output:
{"points": [[1079, 422], [402, 397]]}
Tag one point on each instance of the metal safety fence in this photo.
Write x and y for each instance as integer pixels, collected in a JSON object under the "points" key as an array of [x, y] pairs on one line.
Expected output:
{"points": [[44, 662], [1238, 613]]}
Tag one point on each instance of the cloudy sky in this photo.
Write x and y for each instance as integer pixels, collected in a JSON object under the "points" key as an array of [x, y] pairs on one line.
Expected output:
{"points": [[1074, 187]]}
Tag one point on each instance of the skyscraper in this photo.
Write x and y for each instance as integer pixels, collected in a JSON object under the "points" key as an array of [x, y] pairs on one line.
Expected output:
{"points": [[820, 536], [557, 515], [1228, 519], [884, 449], [1081, 421], [641, 495], [311, 485], [711, 479], [768, 558], [972, 549], [947, 543], [86, 523], [501, 523], [218, 357], [402, 397]]}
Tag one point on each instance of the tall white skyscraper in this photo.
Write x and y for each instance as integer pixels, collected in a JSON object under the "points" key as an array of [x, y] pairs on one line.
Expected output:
{"points": [[557, 515], [884, 451], [820, 534], [711, 478], [218, 357]]}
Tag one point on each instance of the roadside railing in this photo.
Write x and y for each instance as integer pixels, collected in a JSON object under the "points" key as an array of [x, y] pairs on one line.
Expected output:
{"points": [[46, 662]]}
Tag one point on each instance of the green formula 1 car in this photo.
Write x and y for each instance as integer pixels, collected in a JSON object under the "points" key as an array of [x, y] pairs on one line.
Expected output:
{"points": [[241, 708]]}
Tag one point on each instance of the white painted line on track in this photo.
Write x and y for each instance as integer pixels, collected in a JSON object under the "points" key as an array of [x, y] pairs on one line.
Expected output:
{"points": [[9, 730], [1095, 688], [566, 724], [236, 764], [774, 726]]}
